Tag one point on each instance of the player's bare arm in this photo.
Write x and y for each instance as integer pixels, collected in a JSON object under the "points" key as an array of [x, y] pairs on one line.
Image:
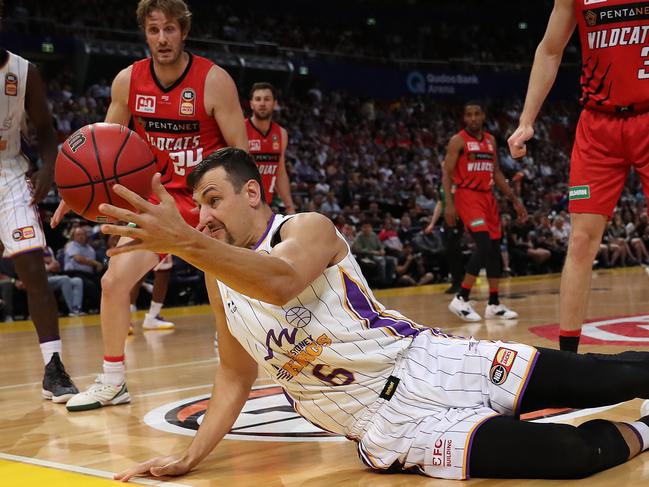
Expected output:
{"points": [[503, 185], [309, 245], [222, 100], [117, 112], [547, 59], [234, 378], [39, 113], [453, 151], [283, 183]]}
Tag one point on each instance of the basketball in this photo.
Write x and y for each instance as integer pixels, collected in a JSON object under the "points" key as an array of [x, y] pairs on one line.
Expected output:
{"points": [[95, 158]]}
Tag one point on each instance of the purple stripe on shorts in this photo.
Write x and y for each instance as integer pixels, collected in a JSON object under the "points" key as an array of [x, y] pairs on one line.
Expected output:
{"points": [[361, 304], [525, 384], [268, 227]]}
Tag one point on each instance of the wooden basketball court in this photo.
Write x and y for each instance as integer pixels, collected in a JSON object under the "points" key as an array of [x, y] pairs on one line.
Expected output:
{"points": [[170, 374]]}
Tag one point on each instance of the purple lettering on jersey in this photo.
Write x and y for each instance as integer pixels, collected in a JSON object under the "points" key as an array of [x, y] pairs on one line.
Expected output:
{"points": [[361, 305], [284, 334]]}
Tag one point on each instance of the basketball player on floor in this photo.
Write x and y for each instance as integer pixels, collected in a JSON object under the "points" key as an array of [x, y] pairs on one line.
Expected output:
{"points": [[469, 172], [412, 397], [267, 143], [23, 91], [185, 107], [611, 134]]}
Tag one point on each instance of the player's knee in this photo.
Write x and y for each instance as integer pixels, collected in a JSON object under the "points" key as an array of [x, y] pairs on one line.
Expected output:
{"points": [[583, 246], [111, 284], [578, 455]]}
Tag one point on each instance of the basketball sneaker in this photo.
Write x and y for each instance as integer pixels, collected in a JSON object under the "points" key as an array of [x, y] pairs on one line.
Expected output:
{"points": [[99, 395], [463, 309], [57, 385], [156, 323], [644, 408], [499, 311]]}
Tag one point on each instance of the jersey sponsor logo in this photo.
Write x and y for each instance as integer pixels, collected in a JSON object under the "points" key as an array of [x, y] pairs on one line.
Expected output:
{"points": [[254, 144], [579, 192], [145, 103], [266, 416], [169, 126], [472, 146], [502, 365], [76, 141], [619, 330], [275, 145], [187, 99], [617, 14], [11, 84], [442, 453], [24, 233]]}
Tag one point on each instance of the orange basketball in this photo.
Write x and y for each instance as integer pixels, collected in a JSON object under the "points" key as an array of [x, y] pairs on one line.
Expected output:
{"points": [[95, 158]]}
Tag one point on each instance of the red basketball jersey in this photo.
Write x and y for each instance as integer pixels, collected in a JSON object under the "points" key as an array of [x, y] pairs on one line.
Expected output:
{"points": [[266, 149], [173, 120], [476, 164], [615, 50]]}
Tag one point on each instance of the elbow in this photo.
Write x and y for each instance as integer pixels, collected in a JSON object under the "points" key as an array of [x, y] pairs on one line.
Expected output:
{"points": [[282, 292]]}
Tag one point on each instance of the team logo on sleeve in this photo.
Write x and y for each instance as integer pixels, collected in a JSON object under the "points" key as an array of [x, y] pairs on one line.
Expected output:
{"points": [[11, 84], [501, 365], [187, 99], [24, 233], [266, 416], [145, 103]]}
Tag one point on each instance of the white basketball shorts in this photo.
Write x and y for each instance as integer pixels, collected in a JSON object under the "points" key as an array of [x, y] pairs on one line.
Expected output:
{"points": [[20, 224], [448, 387]]}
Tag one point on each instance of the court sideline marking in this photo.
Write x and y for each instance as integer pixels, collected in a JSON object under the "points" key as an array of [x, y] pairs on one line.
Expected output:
{"points": [[85, 470]]}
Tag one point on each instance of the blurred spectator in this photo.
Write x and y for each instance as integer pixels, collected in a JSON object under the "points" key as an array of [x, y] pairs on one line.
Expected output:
{"points": [[71, 287], [410, 269], [80, 261], [368, 248]]}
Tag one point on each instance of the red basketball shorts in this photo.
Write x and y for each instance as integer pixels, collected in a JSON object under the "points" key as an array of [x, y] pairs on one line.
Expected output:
{"points": [[606, 147], [478, 210]]}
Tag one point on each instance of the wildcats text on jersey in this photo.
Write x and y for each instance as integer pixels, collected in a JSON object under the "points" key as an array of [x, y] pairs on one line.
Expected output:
{"points": [[480, 166], [625, 36]]}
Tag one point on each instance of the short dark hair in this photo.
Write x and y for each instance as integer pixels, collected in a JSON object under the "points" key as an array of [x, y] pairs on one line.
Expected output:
{"points": [[263, 85], [474, 103], [238, 165]]}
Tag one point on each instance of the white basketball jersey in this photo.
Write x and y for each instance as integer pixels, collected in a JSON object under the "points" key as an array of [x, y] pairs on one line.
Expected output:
{"points": [[13, 86], [332, 348]]}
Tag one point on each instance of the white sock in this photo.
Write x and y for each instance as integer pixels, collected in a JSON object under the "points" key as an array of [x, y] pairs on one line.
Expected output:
{"points": [[155, 308], [133, 308], [643, 431], [49, 348], [114, 373]]}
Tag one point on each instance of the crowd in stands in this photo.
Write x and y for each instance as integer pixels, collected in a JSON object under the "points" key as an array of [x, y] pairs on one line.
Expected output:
{"points": [[474, 30]]}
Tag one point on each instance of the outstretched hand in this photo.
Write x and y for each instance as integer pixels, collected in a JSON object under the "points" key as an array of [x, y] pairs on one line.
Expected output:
{"points": [[156, 467], [159, 228]]}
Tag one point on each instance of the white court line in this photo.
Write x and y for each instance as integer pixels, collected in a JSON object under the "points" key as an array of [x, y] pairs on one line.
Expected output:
{"points": [[84, 470], [169, 391], [143, 369]]}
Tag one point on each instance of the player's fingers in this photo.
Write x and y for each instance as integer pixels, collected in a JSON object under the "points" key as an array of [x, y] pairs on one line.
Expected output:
{"points": [[60, 212], [126, 248], [129, 473], [133, 198], [159, 190], [120, 214], [122, 231]]}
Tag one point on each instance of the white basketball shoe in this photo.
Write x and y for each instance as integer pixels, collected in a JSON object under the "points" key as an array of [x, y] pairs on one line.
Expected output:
{"points": [[644, 409], [499, 312], [99, 395], [463, 309], [156, 323]]}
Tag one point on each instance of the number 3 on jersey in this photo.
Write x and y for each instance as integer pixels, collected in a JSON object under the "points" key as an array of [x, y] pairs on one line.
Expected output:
{"points": [[643, 73], [186, 159]]}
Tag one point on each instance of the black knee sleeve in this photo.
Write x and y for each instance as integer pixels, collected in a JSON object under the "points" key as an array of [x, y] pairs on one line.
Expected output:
{"points": [[494, 260], [607, 446], [480, 256]]}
